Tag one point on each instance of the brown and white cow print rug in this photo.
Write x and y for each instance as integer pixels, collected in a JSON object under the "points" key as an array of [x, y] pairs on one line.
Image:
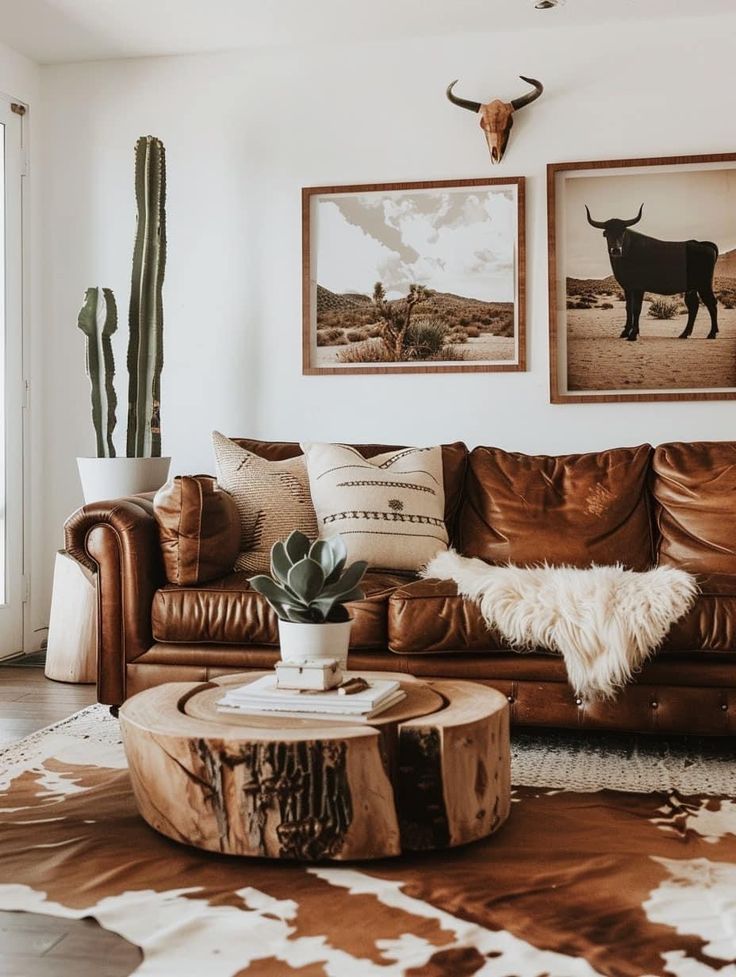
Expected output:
{"points": [[616, 860]]}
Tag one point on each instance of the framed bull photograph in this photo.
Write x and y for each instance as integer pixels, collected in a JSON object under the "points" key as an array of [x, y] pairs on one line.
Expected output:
{"points": [[414, 277], [642, 279]]}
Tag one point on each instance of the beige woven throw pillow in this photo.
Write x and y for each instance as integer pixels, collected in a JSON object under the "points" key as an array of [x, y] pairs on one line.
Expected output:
{"points": [[389, 508], [272, 499]]}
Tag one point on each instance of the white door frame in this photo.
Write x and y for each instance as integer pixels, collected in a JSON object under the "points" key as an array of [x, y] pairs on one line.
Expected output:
{"points": [[31, 638], [13, 629]]}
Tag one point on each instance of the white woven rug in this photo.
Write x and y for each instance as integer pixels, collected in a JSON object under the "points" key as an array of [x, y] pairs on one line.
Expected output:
{"points": [[540, 758]]}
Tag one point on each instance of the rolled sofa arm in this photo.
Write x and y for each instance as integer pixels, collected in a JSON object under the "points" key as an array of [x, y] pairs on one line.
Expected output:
{"points": [[119, 540]]}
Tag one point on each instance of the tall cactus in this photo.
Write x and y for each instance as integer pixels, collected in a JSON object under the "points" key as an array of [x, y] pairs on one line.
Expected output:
{"points": [[98, 320], [145, 344]]}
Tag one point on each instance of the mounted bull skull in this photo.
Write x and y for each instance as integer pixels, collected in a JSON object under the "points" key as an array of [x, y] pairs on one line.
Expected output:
{"points": [[497, 117]]}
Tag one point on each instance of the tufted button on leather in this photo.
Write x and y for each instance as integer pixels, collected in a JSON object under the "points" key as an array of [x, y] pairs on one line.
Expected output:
{"points": [[511, 699], [724, 706], [578, 702], [654, 704]]}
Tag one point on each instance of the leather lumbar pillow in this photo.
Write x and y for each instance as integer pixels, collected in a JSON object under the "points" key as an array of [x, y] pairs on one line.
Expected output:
{"points": [[272, 498], [199, 529], [389, 508]]}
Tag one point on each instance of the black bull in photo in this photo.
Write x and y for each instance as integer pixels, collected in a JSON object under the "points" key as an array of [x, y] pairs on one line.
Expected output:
{"points": [[645, 264]]}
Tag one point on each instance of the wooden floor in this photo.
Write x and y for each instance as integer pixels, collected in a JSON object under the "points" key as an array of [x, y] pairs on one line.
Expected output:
{"points": [[33, 945], [29, 701]]}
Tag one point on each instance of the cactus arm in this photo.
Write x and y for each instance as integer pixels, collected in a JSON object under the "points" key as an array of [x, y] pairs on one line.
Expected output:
{"points": [[87, 322], [108, 363], [98, 321], [145, 349]]}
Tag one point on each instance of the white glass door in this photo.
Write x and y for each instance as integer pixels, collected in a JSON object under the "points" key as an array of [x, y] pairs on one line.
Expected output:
{"points": [[11, 381]]}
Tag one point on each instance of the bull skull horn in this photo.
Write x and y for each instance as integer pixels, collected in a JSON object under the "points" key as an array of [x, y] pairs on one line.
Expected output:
{"points": [[598, 224], [464, 103], [519, 103], [635, 220]]}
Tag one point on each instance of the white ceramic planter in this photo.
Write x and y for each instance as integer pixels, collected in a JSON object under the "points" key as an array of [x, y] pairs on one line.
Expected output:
{"points": [[314, 642], [112, 478]]}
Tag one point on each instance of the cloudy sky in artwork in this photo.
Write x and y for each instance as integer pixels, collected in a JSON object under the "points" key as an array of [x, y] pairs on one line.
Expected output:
{"points": [[452, 240]]}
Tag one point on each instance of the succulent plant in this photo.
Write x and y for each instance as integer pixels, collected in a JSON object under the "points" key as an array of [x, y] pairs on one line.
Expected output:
{"points": [[309, 583]]}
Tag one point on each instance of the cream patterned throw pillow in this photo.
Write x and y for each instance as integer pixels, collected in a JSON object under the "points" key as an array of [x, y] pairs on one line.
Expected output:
{"points": [[389, 509], [272, 499]]}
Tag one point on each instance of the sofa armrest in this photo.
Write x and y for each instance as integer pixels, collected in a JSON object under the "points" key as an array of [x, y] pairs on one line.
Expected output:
{"points": [[119, 539]]}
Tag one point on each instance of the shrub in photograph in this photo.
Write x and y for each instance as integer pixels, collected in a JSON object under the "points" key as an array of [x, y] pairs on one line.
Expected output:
{"points": [[426, 338], [664, 308]]}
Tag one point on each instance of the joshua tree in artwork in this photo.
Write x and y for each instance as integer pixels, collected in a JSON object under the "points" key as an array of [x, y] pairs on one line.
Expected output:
{"points": [[395, 317]]}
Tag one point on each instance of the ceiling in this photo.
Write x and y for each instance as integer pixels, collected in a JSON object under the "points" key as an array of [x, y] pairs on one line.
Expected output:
{"points": [[57, 31]]}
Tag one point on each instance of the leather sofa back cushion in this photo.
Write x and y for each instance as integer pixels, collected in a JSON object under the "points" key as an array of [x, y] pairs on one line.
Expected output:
{"points": [[694, 487], [454, 465], [199, 529], [572, 509]]}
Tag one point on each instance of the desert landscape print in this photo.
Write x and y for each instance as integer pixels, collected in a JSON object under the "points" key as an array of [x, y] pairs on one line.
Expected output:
{"points": [[687, 206], [425, 277]]}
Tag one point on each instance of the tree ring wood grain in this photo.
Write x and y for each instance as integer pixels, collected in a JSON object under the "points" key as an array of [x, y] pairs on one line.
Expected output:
{"points": [[433, 771]]}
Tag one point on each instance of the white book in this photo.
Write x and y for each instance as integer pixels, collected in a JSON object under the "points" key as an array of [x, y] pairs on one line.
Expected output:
{"points": [[312, 710], [263, 694]]}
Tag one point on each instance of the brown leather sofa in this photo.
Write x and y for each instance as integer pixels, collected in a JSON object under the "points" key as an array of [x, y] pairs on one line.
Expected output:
{"points": [[674, 505]]}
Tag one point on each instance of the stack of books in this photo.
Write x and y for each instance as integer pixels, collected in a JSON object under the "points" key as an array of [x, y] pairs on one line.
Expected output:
{"points": [[262, 697]]}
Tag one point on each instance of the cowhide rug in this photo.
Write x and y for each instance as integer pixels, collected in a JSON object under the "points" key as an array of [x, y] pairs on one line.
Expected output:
{"points": [[583, 880]]}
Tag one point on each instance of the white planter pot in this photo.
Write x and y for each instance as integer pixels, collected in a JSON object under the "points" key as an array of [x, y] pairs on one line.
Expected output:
{"points": [[112, 478], [314, 642]]}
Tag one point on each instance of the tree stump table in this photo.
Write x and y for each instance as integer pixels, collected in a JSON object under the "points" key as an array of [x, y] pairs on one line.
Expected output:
{"points": [[433, 771]]}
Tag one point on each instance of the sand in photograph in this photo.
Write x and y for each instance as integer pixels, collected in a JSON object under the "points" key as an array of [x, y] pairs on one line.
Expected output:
{"points": [[597, 359], [476, 349]]}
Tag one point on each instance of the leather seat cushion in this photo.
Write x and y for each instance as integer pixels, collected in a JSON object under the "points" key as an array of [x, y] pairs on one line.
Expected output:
{"points": [[694, 486], [567, 509], [454, 465], [428, 616], [228, 611]]}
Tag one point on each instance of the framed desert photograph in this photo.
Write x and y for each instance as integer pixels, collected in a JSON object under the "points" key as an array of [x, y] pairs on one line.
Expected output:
{"points": [[414, 277], [642, 279]]}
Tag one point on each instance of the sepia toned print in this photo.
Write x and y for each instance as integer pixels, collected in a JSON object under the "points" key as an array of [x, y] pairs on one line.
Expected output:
{"points": [[414, 277], [643, 274]]}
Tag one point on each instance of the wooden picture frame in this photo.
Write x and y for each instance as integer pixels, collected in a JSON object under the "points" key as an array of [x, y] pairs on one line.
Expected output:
{"points": [[454, 329], [590, 359]]}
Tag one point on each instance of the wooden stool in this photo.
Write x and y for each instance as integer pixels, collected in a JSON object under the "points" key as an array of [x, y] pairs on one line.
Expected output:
{"points": [[71, 652]]}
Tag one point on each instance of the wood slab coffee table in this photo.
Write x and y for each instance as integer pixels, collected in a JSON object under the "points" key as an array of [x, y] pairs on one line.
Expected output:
{"points": [[431, 772]]}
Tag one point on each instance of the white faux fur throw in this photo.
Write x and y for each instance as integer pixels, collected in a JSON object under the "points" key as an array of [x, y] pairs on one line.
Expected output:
{"points": [[605, 621]]}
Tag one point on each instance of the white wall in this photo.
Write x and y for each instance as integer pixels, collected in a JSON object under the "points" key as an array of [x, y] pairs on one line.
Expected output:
{"points": [[20, 80], [19, 77], [245, 131]]}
